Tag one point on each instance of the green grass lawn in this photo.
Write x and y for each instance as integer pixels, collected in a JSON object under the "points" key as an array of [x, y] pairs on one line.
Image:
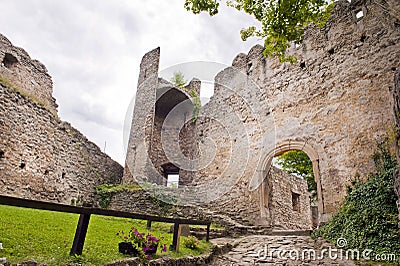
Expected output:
{"points": [[47, 237]]}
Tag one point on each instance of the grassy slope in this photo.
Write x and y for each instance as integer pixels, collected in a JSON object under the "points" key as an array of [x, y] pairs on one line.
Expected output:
{"points": [[47, 237]]}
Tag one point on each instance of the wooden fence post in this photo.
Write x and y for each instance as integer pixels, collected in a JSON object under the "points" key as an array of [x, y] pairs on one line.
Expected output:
{"points": [[176, 237], [148, 226], [80, 235]]}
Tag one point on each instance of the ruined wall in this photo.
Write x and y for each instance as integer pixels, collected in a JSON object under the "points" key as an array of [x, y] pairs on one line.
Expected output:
{"points": [[137, 162], [161, 132], [335, 104], [336, 99], [29, 76], [42, 157], [235, 209], [173, 132], [47, 159], [284, 214]]}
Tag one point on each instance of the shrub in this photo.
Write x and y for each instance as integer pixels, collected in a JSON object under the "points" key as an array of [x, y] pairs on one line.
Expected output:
{"points": [[191, 242], [145, 244], [367, 218]]}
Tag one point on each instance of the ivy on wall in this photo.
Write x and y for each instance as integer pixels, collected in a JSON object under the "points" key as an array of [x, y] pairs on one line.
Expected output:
{"points": [[157, 195], [368, 216]]}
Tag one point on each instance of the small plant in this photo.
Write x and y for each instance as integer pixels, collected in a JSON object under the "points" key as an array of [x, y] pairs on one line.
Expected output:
{"points": [[178, 79], [142, 246], [78, 259], [191, 242], [33, 98], [196, 105], [367, 219], [107, 191]]}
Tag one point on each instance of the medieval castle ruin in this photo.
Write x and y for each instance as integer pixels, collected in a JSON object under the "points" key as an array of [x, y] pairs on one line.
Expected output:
{"points": [[334, 104]]}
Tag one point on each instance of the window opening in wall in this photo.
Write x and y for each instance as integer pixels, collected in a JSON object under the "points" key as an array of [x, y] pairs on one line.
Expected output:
{"points": [[1, 154], [298, 163], [9, 60], [296, 201], [171, 173], [206, 91], [22, 165], [249, 68], [359, 15], [172, 180]]}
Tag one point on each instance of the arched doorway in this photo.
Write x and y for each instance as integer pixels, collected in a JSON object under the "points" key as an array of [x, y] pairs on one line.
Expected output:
{"points": [[266, 166]]}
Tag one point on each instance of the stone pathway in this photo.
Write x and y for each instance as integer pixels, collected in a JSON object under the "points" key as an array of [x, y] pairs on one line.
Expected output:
{"points": [[278, 250]]}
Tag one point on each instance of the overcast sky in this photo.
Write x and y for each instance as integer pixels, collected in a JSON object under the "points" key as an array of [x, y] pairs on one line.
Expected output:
{"points": [[92, 49]]}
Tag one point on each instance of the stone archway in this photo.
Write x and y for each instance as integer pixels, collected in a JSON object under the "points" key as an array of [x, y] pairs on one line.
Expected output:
{"points": [[264, 190]]}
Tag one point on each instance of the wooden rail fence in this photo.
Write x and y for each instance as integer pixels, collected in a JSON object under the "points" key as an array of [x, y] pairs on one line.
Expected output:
{"points": [[86, 212]]}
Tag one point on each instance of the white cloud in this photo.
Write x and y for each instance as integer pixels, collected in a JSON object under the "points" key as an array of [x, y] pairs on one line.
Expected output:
{"points": [[93, 48]]}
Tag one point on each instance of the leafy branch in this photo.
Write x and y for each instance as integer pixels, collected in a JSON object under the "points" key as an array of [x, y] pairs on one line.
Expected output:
{"points": [[282, 21]]}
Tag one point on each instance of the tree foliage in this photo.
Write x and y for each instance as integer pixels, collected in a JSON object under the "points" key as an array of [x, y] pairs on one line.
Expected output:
{"points": [[178, 79], [282, 21], [367, 219], [297, 162]]}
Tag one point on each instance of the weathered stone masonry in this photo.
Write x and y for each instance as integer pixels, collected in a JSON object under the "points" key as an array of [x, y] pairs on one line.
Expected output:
{"points": [[42, 157], [29, 75], [334, 104], [238, 203]]}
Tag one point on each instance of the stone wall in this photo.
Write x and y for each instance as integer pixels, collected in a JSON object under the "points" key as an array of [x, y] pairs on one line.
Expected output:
{"points": [[334, 104], [137, 163], [172, 136], [41, 157], [168, 133], [29, 76], [336, 99], [242, 206], [44, 158], [237, 208], [287, 214]]}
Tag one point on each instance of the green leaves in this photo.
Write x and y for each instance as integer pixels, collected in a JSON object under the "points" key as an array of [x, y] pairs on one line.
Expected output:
{"points": [[196, 105], [298, 163], [368, 215], [178, 79], [197, 6], [283, 21]]}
